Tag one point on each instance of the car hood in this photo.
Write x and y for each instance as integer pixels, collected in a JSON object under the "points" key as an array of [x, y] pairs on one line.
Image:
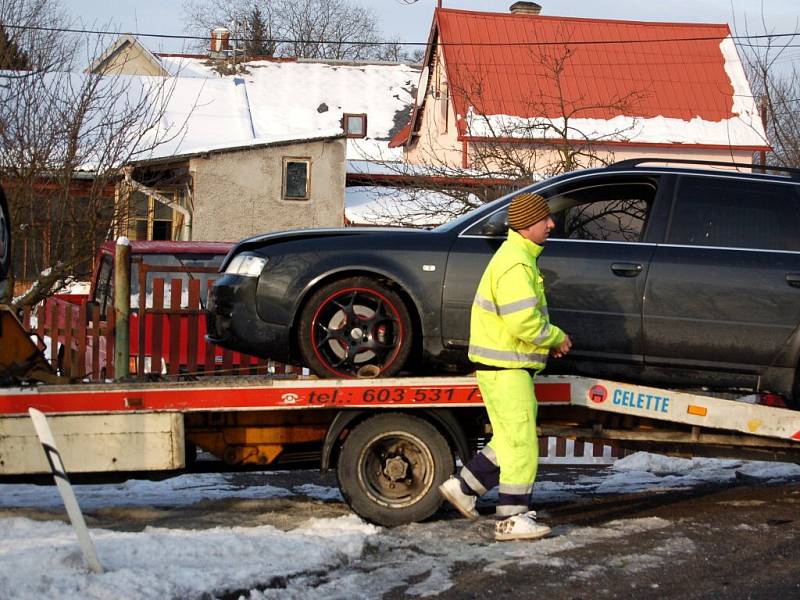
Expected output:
{"points": [[260, 242]]}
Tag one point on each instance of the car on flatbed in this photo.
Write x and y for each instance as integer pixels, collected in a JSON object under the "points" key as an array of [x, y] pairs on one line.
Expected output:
{"points": [[663, 275]]}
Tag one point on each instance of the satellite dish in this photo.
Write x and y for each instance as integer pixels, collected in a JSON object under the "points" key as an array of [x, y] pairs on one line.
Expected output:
{"points": [[423, 85]]}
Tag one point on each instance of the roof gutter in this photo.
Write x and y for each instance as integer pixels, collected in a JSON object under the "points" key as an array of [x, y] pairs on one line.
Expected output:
{"points": [[628, 143]]}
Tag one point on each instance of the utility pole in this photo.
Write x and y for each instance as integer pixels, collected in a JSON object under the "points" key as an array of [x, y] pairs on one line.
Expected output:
{"points": [[763, 109]]}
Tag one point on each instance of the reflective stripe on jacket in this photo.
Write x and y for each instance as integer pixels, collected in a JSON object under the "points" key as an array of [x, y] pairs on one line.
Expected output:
{"points": [[509, 325]]}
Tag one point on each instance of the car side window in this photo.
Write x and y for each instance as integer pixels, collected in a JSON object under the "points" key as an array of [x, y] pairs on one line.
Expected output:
{"points": [[613, 213], [733, 213], [607, 211], [608, 220]]}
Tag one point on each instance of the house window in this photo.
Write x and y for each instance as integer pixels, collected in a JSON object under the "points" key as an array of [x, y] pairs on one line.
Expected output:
{"points": [[444, 104], [355, 126], [295, 178], [149, 219]]}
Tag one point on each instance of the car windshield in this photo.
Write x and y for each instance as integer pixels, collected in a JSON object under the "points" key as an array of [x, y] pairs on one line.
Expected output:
{"points": [[471, 215]]}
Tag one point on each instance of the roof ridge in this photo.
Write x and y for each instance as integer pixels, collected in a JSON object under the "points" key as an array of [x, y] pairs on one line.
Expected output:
{"points": [[590, 19]]}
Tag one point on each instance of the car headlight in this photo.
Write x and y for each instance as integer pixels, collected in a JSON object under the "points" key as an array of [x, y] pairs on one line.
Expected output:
{"points": [[247, 265]]}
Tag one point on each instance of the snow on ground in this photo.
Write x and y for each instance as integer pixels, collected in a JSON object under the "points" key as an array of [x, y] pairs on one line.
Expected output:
{"points": [[41, 560], [183, 490], [320, 557]]}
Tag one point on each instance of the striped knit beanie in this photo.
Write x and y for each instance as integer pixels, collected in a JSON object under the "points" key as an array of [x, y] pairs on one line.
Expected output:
{"points": [[527, 209]]}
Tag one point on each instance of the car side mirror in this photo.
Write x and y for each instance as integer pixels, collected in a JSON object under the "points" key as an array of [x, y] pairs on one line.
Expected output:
{"points": [[496, 225]]}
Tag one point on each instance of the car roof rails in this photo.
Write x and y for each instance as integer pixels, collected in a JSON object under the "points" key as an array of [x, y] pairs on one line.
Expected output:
{"points": [[764, 169]]}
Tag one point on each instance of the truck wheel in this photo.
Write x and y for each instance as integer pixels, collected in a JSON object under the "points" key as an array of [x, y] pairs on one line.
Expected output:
{"points": [[354, 327], [390, 469]]}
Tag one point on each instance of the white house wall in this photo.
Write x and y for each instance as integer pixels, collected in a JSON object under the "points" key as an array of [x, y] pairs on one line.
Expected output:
{"points": [[431, 146], [239, 194]]}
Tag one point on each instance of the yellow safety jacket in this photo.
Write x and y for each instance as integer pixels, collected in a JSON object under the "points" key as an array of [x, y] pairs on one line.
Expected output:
{"points": [[509, 325]]}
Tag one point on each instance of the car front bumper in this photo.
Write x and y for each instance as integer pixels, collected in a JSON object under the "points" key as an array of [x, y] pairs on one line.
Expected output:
{"points": [[232, 321]]}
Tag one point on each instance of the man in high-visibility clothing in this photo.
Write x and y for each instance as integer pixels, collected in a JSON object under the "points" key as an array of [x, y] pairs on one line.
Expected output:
{"points": [[511, 338]]}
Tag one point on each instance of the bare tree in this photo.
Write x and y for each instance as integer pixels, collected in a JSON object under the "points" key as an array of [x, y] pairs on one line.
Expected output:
{"points": [[322, 29], [393, 50], [514, 151], [64, 135], [553, 139], [329, 29], [777, 90]]}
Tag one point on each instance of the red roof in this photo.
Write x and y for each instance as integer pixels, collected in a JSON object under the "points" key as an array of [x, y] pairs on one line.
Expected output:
{"points": [[503, 64], [399, 138], [680, 75]]}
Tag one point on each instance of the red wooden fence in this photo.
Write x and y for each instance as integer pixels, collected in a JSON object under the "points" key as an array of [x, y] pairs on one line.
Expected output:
{"points": [[166, 331]]}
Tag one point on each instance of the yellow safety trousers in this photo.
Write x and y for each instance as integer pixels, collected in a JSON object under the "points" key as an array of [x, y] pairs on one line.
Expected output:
{"points": [[510, 400]]}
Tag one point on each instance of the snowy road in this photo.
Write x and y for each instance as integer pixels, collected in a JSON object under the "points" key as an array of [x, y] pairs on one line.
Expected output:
{"points": [[288, 535]]}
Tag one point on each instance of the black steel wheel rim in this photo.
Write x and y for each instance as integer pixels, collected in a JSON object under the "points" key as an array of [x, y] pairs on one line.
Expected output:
{"points": [[395, 469]]}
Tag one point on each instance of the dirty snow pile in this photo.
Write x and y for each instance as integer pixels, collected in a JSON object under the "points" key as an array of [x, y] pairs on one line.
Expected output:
{"points": [[320, 557], [42, 560]]}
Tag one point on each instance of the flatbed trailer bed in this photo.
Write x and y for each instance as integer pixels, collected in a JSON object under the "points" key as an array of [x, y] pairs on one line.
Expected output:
{"points": [[391, 440]]}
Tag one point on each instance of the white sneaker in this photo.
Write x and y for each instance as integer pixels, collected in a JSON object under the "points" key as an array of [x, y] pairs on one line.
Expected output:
{"points": [[520, 527], [464, 503]]}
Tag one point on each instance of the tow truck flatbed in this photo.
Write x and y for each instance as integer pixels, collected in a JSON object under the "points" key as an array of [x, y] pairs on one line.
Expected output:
{"points": [[392, 440]]}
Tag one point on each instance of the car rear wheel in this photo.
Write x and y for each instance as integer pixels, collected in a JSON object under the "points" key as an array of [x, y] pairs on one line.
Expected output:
{"points": [[390, 469], [793, 401], [355, 327]]}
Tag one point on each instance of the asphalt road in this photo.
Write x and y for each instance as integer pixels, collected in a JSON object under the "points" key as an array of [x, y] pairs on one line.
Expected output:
{"points": [[732, 541]]}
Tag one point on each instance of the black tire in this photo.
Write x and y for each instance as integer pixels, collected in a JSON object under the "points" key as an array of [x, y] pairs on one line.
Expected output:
{"points": [[5, 240], [355, 327], [793, 401], [390, 469]]}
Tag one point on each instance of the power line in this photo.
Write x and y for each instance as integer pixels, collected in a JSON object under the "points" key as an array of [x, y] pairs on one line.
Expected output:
{"points": [[769, 36]]}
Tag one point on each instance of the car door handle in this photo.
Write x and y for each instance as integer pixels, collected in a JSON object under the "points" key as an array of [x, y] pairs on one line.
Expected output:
{"points": [[793, 279], [626, 269]]}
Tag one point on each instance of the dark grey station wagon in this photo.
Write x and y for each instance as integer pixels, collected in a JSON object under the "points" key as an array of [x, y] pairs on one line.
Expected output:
{"points": [[668, 276]]}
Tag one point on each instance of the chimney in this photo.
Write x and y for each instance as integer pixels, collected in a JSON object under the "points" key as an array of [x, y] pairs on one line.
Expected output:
{"points": [[525, 8], [220, 37]]}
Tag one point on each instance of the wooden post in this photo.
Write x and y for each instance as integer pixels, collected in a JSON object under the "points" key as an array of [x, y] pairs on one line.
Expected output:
{"points": [[122, 307]]}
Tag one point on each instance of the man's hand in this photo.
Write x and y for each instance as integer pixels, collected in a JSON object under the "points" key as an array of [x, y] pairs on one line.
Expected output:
{"points": [[563, 348]]}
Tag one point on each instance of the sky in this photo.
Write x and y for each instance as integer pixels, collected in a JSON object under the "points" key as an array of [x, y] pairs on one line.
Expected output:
{"points": [[410, 21], [40, 558]]}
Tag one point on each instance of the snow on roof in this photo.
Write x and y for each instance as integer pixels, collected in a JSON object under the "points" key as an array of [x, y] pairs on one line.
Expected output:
{"points": [[293, 99], [385, 205], [669, 83], [273, 101]]}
